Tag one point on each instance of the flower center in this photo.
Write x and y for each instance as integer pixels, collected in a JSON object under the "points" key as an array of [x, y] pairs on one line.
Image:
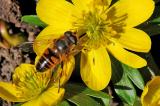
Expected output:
{"points": [[30, 83], [96, 26]]}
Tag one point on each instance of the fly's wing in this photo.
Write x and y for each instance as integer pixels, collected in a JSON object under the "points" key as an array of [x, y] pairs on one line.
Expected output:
{"points": [[40, 45], [42, 42], [46, 37], [26, 47], [63, 71]]}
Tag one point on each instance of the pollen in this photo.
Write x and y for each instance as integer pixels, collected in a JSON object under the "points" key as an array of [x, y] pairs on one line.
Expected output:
{"points": [[97, 27], [30, 84]]}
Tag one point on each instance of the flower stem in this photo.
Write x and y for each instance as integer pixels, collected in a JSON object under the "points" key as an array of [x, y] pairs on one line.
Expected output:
{"points": [[151, 72]]}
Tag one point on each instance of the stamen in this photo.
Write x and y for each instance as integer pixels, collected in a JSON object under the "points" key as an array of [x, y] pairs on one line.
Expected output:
{"points": [[30, 81], [97, 27]]}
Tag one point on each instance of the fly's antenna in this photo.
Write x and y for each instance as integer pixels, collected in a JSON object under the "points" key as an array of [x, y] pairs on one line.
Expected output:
{"points": [[81, 35]]}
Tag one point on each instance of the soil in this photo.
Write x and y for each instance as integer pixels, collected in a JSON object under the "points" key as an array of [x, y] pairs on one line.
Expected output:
{"points": [[11, 12]]}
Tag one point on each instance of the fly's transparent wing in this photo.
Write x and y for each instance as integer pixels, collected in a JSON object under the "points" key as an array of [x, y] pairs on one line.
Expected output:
{"points": [[26, 47], [40, 45]]}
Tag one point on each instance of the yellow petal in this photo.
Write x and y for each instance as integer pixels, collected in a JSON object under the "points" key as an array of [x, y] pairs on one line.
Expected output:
{"points": [[130, 13], [37, 59], [9, 92], [82, 5], [65, 72], [135, 40], [103, 2], [45, 39], [125, 56], [29, 81], [55, 12], [95, 68], [50, 97], [22, 71], [151, 93], [28, 72]]}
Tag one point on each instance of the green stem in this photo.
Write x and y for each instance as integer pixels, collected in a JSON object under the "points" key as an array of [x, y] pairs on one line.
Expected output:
{"points": [[151, 72]]}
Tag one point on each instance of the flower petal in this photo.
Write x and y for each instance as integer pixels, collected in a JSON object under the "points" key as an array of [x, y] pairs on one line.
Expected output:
{"points": [[36, 59], [150, 95], [130, 13], [67, 70], [82, 5], [45, 39], [125, 56], [55, 12], [29, 82], [50, 97], [63, 74], [135, 39], [103, 2], [9, 92], [96, 68], [22, 71]]}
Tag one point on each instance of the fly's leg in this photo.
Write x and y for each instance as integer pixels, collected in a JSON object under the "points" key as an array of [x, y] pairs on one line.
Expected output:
{"points": [[59, 80]]}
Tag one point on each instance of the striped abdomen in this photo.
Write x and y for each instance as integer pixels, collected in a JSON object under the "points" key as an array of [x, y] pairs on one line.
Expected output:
{"points": [[53, 56], [49, 59], [56, 54]]}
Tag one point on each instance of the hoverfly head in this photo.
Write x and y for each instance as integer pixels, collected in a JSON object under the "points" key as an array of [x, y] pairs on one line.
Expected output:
{"points": [[71, 37]]}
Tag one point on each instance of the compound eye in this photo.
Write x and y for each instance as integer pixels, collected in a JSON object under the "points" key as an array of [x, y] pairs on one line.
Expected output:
{"points": [[73, 39], [68, 33]]}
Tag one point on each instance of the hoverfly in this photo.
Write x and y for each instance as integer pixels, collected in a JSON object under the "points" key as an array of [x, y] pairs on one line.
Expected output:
{"points": [[58, 51]]}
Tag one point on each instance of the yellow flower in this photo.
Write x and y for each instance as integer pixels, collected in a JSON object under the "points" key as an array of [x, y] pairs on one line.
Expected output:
{"points": [[32, 88], [151, 93], [105, 27]]}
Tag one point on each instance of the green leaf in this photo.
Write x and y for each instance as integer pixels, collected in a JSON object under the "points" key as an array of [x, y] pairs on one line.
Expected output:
{"points": [[33, 20], [125, 90], [75, 89], [18, 104], [64, 103], [98, 94], [155, 21], [137, 102], [83, 100], [151, 65], [134, 75], [150, 29], [122, 84], [117, 70]]}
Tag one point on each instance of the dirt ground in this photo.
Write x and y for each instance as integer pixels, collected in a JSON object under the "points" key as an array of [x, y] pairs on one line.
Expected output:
{"points": [[11, 12]]}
